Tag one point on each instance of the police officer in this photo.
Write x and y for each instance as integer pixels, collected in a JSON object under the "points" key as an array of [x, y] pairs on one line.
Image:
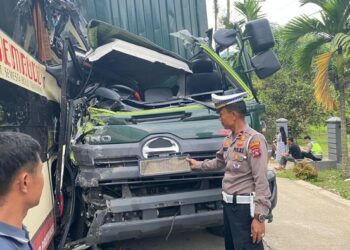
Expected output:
{"points": [[245, 186]]}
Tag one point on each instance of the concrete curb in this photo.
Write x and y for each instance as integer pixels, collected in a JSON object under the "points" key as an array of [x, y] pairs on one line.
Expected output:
{"points": [[324, 192]]}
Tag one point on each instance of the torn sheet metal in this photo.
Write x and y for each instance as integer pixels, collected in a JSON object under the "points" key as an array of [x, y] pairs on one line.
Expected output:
{"points": [[138, 52]]}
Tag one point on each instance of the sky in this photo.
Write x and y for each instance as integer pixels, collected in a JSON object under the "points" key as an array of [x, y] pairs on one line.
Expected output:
{"points": [[277, 11]]}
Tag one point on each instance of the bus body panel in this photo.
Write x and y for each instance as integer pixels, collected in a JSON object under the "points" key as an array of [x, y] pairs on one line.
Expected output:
{"points": [[20, 68], [29, 98]]}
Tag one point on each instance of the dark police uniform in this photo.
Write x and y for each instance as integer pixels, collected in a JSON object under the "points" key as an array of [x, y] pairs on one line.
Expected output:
{"points": [[245, 186], [12, 238]]}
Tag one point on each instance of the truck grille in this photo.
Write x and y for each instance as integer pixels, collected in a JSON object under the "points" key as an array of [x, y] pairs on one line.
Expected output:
{"points": [[117, 162], [134, 161], [200, 156]]}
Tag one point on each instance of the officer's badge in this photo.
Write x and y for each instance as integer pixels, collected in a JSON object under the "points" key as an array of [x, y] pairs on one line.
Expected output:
{"points": [[238, 150], [254, 148], [239, 157], [236, 165], [226, 145], [240, 144]]}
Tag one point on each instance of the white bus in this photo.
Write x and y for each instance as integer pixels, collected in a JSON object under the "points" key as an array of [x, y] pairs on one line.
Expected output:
{"points": [[30, 97]]}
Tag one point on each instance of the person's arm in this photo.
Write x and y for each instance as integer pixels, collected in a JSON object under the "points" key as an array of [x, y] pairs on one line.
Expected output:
{"points": [[258, 159], [308, 147], [289, 153], [217, 163]]}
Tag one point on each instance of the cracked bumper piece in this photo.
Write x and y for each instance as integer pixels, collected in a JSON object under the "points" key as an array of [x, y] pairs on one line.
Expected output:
{"points": [[137, 229], [191, 210]]}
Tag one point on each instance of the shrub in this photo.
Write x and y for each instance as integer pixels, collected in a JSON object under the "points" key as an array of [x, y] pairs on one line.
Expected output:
{"points": [[305, 170]]}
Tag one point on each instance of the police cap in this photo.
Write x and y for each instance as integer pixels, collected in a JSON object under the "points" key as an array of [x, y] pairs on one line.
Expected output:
{"points": [[231, 102]]}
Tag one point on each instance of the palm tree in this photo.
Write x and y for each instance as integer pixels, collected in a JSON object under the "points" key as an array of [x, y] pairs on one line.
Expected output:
{"points": [[216, 13], [228, 9], [226, 19], [326, 46], [250, 9]]}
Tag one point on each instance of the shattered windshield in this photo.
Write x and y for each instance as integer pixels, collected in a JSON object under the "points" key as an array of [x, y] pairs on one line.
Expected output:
{"points": [[41, 26]]}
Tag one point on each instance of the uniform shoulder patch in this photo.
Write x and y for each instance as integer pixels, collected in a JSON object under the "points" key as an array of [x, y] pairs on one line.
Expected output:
{"points": [[254, 148]]}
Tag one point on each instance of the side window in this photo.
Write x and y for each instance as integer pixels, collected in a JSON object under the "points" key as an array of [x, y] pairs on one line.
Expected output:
{"points": [[7, 17], [18, 28], [228, 82], [249, 120], [29, 113], [231, 83]]}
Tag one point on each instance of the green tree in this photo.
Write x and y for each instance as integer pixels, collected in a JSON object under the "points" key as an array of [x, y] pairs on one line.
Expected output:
{"points": [[327, 49], [216, 13], [226, 19], [289, 95], [249, 9], [228, 9]]}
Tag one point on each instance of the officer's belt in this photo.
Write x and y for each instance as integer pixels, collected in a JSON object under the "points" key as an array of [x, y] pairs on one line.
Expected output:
{"points": [[236, 199]]}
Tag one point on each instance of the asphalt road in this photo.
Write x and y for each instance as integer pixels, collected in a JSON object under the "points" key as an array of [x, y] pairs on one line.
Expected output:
{"points": [[196, 240]]}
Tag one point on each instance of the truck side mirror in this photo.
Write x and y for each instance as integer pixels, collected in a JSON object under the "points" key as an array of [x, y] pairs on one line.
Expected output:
{"points": [[224, 38], [259, 35], [265, 64], [261, 40]]}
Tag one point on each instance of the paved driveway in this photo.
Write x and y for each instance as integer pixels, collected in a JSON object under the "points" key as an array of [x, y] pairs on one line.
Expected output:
{"points": [[308, 217]]}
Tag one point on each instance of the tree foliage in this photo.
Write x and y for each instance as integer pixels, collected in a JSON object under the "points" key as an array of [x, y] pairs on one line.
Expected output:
{"points": [[329, 48], [249, 9], [288, 94], [328, 43], [216, 12]]}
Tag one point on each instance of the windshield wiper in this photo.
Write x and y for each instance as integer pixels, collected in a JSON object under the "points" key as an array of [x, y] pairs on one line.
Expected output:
{"points": [[205, 104], [159, 117], [145, 105], [178, 100]]}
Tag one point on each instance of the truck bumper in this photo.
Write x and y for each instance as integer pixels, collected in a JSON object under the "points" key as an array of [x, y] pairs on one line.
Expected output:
{"points": [[160, 226], [191, 213]]}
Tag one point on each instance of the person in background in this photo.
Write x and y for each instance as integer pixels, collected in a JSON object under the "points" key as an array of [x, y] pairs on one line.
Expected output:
{"points": [[313, 150], [293, 154], [21, 184], [281, 144], [274, 146], [263, 127]]}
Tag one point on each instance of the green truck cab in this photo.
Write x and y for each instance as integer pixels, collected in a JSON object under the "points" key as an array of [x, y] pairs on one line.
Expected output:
{"points": [[140, 113]]}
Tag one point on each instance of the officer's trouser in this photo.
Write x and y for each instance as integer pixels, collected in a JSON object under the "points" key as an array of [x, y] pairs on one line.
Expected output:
{"points": [[237, 222]]}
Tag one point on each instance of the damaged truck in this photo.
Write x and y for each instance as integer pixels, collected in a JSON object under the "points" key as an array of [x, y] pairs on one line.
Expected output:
{"points": [[128, 114]]}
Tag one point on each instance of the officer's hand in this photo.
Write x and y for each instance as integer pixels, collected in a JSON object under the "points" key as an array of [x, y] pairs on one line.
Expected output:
{"points": [[192, 162], [257, 231]]}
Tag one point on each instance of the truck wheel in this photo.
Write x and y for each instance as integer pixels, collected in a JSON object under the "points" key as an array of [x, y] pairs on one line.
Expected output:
{"points": [[217, 231]]}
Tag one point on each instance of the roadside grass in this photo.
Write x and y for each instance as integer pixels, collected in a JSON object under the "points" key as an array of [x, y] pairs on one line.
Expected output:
{"points": [[289, 174], [330, 180]]}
